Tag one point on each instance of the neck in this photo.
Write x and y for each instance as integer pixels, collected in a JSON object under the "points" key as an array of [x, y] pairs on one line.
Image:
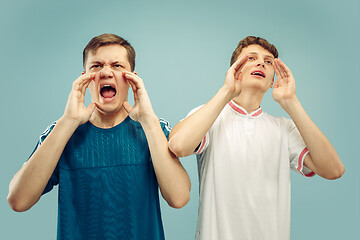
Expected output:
{"points": [[249, 100], [107, 120]]}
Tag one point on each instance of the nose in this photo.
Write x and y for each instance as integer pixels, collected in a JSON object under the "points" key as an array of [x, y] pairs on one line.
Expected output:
{"points": [[260, 65], [106, 72]]}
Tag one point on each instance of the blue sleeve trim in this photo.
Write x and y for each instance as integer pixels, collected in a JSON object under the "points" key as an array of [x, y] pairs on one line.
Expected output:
{"points": [[165, 125], [54, 179], [46, 133]]}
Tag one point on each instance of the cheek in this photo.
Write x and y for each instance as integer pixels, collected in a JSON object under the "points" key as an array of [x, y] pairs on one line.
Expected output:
{"points": [[120, 81], [123, 89], [247, 67], [123, 85], [272, 74]]}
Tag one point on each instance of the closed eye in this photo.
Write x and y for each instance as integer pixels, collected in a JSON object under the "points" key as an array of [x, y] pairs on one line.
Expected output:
{"points": [[95, 66]]}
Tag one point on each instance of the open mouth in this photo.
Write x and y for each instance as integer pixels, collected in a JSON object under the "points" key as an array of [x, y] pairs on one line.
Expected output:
{"points": [[107, 91], [258, 73]]}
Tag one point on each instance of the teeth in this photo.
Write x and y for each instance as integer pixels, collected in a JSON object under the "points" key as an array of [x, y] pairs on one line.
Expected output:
{"points": [[257, 73], [106, 86]]}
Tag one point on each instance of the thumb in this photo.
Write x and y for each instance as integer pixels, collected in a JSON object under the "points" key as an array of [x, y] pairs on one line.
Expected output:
{"points": [[238, 75], [91, 108], [127, 106]]}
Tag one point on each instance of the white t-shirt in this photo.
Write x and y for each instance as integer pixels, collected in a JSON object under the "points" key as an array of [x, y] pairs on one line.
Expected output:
{"points": [[244, 166]]}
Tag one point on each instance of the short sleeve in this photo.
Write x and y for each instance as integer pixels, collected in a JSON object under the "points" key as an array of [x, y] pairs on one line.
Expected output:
{"points": [[165, 125], [54, 179], [297, 150], [205, 141]]}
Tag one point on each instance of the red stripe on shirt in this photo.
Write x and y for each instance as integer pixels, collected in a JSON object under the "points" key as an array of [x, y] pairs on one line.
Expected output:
{"points": [[202, 145], [300, 163], [257, 113], [237, 109], [300, 159], [310, 174]]}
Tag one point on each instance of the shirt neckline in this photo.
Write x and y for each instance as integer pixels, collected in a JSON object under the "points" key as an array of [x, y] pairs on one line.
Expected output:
{"points": [[127, 119], [241, 111]]}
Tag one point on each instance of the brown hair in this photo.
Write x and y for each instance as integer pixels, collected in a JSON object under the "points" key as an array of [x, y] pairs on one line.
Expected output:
{"points": [[109, 39], [251, 40]]}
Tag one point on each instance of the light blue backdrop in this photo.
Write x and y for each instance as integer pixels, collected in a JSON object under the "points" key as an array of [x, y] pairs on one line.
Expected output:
{"points": [[183, 51]]}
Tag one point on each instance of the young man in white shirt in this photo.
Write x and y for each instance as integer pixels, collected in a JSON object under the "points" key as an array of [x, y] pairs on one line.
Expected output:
{"points": [[245, 155]]}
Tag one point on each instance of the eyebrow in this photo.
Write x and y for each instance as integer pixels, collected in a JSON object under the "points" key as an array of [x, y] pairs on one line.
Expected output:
{"points": [[98, 62], [120, 62], [95, 62], [265, 55]]}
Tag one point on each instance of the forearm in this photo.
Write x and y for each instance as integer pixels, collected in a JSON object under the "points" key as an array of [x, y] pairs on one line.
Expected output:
{"points": [[27, 185], [187, 134], [325, 160], [172, 178]]}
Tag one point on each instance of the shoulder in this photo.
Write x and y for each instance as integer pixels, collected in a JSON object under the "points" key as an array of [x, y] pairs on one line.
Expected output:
{"points": [[194, 110], [165, 124], [281, 122], [47, 132], [286, 123]]}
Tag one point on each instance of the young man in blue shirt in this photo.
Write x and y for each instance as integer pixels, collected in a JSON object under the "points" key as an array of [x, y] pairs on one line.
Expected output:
{"points": [[108, 158]]}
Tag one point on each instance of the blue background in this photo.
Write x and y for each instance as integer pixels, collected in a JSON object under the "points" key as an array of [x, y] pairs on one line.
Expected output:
{"points": [[183, 51]]}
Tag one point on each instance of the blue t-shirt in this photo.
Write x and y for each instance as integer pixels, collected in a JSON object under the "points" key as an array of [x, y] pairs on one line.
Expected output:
{"points": [[107, 184]]}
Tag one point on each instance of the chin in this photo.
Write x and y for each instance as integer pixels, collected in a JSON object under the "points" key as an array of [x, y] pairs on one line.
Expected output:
{"points": [[255, 84], [108, 109]]}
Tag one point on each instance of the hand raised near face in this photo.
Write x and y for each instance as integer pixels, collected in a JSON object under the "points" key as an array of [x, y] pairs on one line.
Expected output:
{"points": [[75, 109], [234, 76], [284, 87], [142, 109]]}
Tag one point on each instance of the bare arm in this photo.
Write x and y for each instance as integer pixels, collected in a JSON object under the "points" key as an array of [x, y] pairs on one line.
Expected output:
{"points": [[29, 182], [173, 180], [322, 159], [187, 134]]}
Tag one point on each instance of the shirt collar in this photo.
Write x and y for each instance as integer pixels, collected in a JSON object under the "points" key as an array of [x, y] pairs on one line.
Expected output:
{"points": [[241, 111]]}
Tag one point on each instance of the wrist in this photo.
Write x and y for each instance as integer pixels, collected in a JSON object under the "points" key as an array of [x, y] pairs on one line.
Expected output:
{"points": [[149, 121], [290, 105], [69, 123], [226, 94]]}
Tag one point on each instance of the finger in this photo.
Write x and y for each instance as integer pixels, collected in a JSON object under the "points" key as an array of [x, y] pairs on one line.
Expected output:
{"points": [[276, 68], [133, 87], [281, 74], [97, 81], [138, 82], [237, 66], [238, 75], [86, 84], [127, 106], [276, 85], [282, 69], [285, 68], [131, 82], [279, 70], [91, 108], [278, 76], [82, 80]]}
